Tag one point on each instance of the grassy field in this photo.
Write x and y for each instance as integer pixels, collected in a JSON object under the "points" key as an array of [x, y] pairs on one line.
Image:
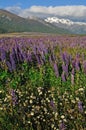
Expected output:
{"points": [[28, 34], [42, 82]]}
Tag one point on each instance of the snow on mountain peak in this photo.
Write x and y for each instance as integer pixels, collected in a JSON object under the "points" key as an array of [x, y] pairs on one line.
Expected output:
{"points": [[63, 21]]}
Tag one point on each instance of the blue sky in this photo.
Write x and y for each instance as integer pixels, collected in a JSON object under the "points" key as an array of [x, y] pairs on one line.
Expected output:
{"points": [[41, 8], [28, 3]]}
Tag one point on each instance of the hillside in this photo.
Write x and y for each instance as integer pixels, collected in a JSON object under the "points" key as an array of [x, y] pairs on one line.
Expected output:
{"points": [[76, 27], [10, 22]]}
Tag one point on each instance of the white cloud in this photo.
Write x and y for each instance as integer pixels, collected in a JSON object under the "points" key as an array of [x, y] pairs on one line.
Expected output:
{"points": [[72, 11], [60, 10]]}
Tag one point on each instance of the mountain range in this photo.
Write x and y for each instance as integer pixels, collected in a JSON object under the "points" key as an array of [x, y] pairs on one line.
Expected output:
{"points": [[10, 22], [74, 26]]}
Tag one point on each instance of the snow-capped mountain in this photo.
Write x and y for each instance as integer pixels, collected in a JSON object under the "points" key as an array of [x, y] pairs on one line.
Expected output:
{"points": [[63, 21], [73, 26], [10, 22]]}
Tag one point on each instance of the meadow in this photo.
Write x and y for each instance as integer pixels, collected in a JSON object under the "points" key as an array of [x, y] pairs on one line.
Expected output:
{"points": [[43, 83]]}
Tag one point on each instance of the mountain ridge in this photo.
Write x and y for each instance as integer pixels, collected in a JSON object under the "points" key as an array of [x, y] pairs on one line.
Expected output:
{"points": [[10, 22], [73, 26]]}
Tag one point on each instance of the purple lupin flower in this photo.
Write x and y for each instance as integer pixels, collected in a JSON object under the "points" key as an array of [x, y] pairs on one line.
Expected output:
{"points": [[9, 66], [14, 97], [45, 51], [77, 65], [65, 69], [53, 56], [73, 63], [3, 54], [50, 59], [18, 51], [24, 55], [80, 106], [12, 62], [52, 104], [56, 70], [72, 76], [16, 54], [21, 57], [29, 56], [62, 126], [42, 55], [63, 77], [63, 57], [84, 66], [38, 59], [66, 58], [73, 71]]}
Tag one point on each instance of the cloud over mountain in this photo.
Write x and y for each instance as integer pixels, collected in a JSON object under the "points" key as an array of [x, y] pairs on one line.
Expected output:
{"points": [[63, 11]]}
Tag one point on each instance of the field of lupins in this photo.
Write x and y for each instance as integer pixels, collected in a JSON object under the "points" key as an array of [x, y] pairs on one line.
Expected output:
{"points": [[43, 83]]}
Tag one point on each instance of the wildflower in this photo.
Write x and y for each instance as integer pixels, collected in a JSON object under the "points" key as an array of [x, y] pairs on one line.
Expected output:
{"points": [[63, 77], [80, 107], [62, 126], [44, 120], [65, 69], [3, 54], [72, 76], [9, 66], [12, 61], [62, 116], [45, 109], [56, 70], [40, 93], [32, 113], [29, 122], [77, 99], [66, 99], [81, 89], [73, 101], [52, 103], [52, 126], [84, 66], [31, 101], [60, 104], [77, 65], [24, 104], [65, 58], [14, 98], [72, 117], [0, 91], [64, 120], [56, 115]]}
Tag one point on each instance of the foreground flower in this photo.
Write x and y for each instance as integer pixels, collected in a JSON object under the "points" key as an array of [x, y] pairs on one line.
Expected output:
{"points": [[62, 126], [52, 104], [80, 107], [14, 97]]}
